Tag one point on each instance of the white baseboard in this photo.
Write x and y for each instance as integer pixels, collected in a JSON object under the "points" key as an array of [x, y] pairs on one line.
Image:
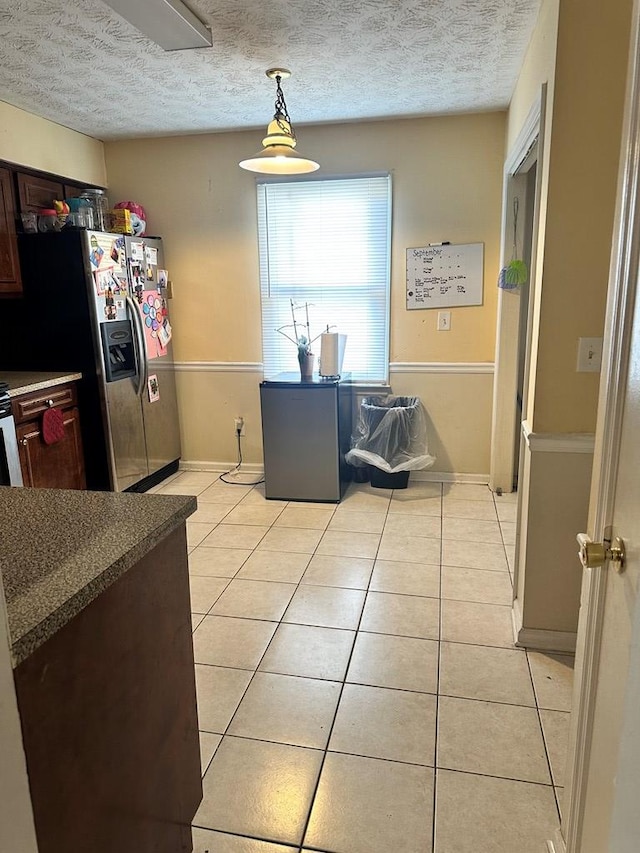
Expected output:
{"points": [[253, 468], [220, 467], [562, 642], [450, 477]]}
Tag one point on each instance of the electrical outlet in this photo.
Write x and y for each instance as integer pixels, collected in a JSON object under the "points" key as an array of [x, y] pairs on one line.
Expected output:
{"points": [[589, 355], [238, 425], [444, 321]]}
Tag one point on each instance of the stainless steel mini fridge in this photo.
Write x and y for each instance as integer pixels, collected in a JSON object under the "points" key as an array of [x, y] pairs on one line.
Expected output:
{"points": [[306, 431]]}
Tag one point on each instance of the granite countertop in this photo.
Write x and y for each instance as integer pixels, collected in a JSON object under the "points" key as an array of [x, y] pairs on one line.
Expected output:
{"points": [[24, 381], [60, 549]]}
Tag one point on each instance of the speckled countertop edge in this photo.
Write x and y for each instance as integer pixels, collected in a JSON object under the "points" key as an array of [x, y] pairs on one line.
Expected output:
{"points": [[24, 382], [50, 602]]}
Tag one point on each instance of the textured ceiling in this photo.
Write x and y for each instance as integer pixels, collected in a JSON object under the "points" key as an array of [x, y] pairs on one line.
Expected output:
{"points": [[80, 64]]}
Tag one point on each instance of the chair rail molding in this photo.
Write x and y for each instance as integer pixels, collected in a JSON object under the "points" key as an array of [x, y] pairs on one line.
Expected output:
{"points": [[441, 367], [219, 366], [549, 442]]}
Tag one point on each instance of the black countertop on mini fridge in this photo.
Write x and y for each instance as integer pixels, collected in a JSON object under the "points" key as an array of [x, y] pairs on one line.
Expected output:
{"points": [[284, 380]]}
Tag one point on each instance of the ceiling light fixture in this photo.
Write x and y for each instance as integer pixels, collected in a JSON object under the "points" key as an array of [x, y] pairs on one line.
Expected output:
{"points": [[278, 156], [168, 23]]}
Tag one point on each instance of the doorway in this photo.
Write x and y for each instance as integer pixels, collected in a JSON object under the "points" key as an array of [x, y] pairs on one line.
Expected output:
{"points": [[528, 171], [521, 194]]}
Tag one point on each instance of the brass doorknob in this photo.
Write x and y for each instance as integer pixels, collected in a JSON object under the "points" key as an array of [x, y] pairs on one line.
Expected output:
{"points": [[595, 554]]}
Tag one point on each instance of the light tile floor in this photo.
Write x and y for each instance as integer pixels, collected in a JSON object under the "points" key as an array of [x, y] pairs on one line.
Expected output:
{"points": [[358, 688]]}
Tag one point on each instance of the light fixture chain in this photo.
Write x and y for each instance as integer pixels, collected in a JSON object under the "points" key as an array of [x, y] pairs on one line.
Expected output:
{"points": [[281, 111]]}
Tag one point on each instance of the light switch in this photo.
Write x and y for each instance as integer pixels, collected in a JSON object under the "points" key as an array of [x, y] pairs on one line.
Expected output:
{"points": [[444, 321], [589, 355]]}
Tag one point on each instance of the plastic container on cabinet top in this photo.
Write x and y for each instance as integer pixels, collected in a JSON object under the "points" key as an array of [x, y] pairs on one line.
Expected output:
{"points": [[98, 202], [48, 220]]}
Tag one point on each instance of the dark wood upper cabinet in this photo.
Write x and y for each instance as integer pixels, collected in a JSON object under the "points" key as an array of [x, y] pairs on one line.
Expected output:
{"points": [[72, 190], [21, 192], [36, 193], [10, 281]]}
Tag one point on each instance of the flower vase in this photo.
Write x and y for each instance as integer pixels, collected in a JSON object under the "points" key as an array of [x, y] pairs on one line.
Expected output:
{"points": [[305, 360]]}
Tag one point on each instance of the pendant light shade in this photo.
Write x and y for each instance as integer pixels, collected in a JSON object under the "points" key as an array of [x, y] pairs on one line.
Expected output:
{"points": [[278, 156]]}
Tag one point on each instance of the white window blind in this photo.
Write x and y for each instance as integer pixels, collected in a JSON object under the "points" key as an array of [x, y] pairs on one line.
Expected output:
{"points": [[326, 242]]}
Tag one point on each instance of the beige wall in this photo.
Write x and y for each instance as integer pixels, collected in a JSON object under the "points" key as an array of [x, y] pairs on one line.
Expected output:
{"points": [[28, 140], [458, 409], [580, 152], [591, 67], [555, 504], [538, 67], [447, 175], [538, 70]]}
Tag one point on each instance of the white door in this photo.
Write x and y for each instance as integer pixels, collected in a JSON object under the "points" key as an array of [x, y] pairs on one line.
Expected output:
{"points": [[601, 808]]}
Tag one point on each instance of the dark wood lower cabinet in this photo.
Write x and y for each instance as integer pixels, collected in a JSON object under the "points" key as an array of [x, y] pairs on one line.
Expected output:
{"points": [[50, 466], [58, 465], [109, 718]]}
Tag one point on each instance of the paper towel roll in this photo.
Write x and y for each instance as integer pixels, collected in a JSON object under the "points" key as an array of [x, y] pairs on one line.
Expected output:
{"points": [[332, 347]]}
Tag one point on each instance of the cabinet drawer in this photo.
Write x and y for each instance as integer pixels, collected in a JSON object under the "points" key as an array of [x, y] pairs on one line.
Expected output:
{"points": [[29, 406]]}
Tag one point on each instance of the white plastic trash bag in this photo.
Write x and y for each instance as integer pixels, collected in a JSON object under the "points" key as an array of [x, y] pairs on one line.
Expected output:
{"points": [[391, 434]]}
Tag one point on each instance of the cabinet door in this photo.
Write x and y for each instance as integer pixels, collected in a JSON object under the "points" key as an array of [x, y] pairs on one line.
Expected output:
{"points": [[52, 466], [36, 193], [72, 190], [10, 283]]}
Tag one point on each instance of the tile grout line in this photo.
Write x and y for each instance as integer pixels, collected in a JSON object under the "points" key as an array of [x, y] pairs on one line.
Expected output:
{"points": [[542, 735], [312, 800], [377, 633], [205, 770], [278, 622], [504, 548], [533, 684], [438, 668], [255, 671], [344, 682]]}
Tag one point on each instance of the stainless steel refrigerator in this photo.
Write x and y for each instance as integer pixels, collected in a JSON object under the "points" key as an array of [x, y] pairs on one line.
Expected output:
{"points": [[99, 303]]}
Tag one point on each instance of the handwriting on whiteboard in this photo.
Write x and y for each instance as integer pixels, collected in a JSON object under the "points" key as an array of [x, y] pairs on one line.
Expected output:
{"points": [[445, 276]]}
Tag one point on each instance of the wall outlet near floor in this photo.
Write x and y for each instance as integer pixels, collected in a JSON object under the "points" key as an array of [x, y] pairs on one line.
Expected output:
{"points": [[238, 427], [444, 321], [589, 355]]}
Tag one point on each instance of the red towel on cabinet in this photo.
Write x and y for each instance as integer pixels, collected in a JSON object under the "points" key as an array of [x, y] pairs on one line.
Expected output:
{"points": [[52, 426]]}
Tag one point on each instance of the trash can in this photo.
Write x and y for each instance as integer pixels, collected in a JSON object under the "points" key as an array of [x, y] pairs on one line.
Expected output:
{"points": [[390, 438]]}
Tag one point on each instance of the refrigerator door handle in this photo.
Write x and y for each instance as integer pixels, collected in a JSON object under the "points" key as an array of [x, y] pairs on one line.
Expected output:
{"points": [[141, 347]]}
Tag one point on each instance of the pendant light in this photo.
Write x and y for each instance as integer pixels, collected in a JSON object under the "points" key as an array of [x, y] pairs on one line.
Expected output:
{"points": [[278, 156]]}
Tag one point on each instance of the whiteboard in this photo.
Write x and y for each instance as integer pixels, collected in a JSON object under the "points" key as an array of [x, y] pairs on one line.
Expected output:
{"points": [[445, 276]]}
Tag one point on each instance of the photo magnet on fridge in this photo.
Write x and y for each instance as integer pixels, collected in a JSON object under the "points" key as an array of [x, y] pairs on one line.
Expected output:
{"points": [[137, 252], [154, 390], [96, 253]]}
